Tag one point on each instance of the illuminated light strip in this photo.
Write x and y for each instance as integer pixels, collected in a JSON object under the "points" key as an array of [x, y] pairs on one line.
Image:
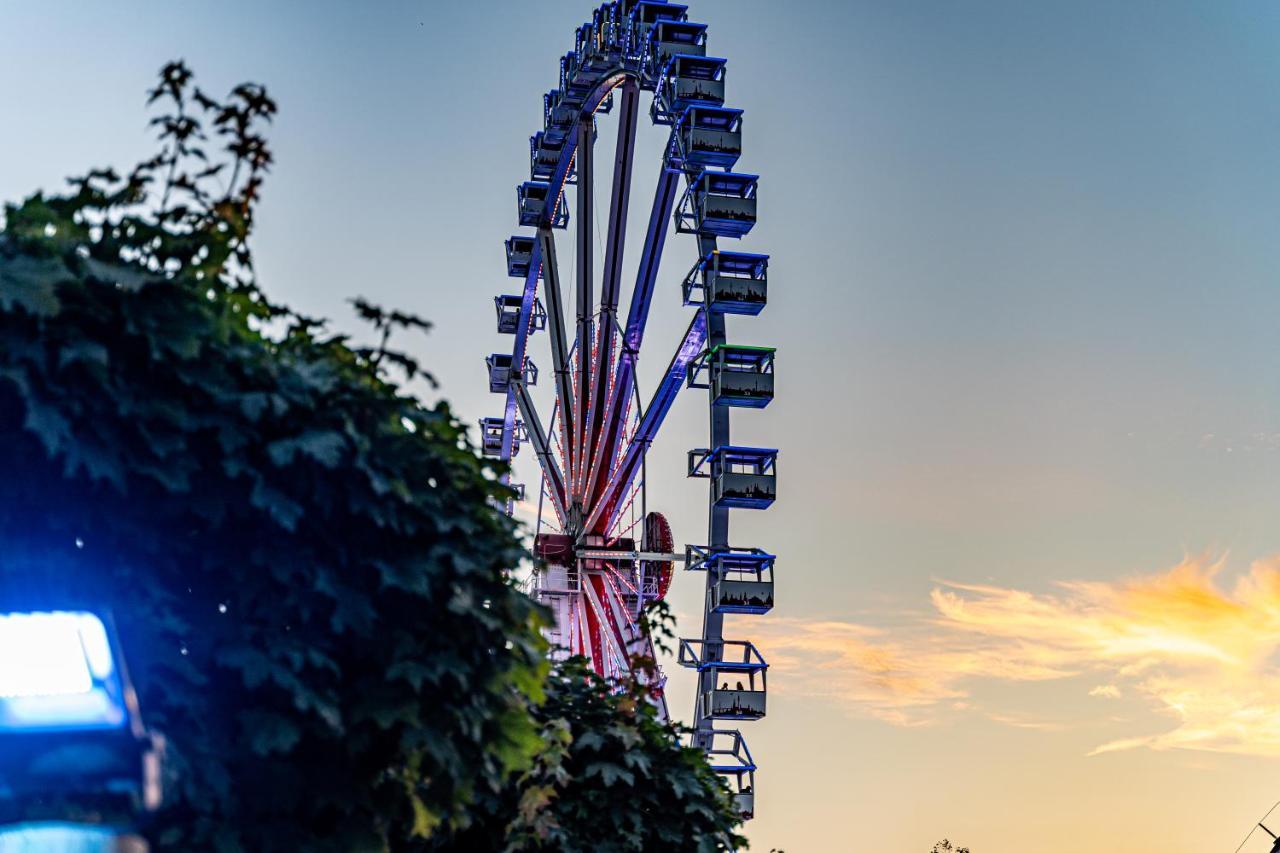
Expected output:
{"points": [[593, 598], [579, 481], [576, 645], [593, 625], [632, 526], [613, 599], [614, 603], [545, 494], [635, 490], [584, 631], [618, 574], [614, 354], [546, 481], [654, 415], [555, 438], [565, 462]]}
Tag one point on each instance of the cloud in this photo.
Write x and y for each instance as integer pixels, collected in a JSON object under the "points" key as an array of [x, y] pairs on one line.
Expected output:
{"points": [[1191, 649]]}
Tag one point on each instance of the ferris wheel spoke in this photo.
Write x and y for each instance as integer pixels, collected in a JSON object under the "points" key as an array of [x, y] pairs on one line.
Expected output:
{"points": [[585, 157], [605, 509], [609, 287], [637, 317], [608, 628], [538, 437], [593, 638], [577, 640], [559, 353], [629, 633]]}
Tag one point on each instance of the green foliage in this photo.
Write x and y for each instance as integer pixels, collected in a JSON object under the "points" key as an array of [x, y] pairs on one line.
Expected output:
{"points": [[304, 564], [610, 776]]}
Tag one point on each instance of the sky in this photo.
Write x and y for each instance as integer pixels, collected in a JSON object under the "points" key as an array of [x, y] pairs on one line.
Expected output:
{"points": [[1028, 407]]}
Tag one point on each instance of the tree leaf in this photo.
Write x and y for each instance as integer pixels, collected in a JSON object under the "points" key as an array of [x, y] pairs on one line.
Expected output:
{"points": [[30, 284]]}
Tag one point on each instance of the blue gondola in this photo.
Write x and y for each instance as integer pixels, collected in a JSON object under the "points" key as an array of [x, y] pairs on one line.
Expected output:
{"points": [[491, 430], [501, 373], [544, 156], [508, 307], [668, 38], [687, 81], [729, 282], [738, 376], [643, 15], [742, 477], [519, 255], [708, 137], [531, 201], [557, 117], [731, 760], [742, 577], [722, 204]]}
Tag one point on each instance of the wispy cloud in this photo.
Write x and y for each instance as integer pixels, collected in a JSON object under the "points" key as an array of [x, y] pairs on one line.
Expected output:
{"points": [[1194, 650]]}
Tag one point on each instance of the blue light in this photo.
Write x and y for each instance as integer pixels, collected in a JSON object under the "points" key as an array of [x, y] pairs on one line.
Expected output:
{"points": [[65, 837], [57, 672]]}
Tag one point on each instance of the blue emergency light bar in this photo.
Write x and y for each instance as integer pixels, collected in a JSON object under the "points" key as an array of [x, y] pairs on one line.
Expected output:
{"points": [[58, 672]]}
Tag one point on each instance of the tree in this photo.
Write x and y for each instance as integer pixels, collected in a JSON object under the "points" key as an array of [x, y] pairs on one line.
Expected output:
{"points": [[306, 569], [944, 846], [610, 775]]}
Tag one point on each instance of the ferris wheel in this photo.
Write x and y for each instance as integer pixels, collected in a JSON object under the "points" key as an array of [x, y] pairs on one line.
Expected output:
{"points": [[603, 554]]}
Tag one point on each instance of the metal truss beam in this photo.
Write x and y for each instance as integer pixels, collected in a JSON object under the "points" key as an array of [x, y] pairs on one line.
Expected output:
{"points": [[609, 287], [637, 318], [538, 438], [717, 526], [559, 352], [529, 297], [607, 508], [586, 279]]}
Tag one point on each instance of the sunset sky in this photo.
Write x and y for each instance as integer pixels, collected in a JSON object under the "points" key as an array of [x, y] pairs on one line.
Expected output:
{"points": [[1025, 303]]}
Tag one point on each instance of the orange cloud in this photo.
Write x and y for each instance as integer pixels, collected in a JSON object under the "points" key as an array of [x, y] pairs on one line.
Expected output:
{"points": [[1194, 652]]}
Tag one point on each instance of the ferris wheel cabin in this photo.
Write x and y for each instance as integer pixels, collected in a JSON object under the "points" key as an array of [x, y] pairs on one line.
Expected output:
{"points": [[729, 282], [575, 82], [491, 430], [557, 116], [743, 578], [501, 372], [739, 376], [742, 477], [519, 255], [721, 204], [739, 696], [544, 156], [710, 136], [688, 81], [730, 759], [670, 37], [508, 306], [736, 677], [531, 200], [642, 17]]}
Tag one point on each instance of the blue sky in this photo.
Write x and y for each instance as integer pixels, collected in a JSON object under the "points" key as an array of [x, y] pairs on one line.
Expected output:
{"points": [[1024, 300]]}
